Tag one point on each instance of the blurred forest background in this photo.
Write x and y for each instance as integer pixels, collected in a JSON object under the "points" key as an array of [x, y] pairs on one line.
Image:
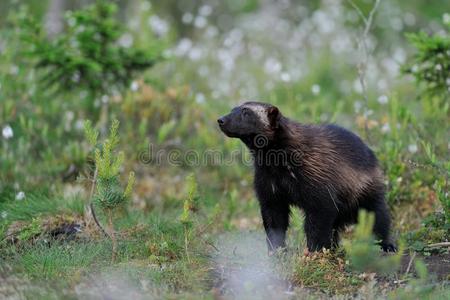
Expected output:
{"points": [[166, 70]]}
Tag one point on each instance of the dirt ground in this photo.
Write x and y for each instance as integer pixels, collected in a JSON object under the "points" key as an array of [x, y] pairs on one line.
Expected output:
{"points": [[438, 265]]}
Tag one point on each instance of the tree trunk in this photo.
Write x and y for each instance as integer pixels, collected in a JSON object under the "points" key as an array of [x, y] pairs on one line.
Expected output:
{"points": [[113, 236]]}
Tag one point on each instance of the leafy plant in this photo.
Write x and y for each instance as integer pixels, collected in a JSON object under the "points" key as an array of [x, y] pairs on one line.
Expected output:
{"points": [[109, 194]]}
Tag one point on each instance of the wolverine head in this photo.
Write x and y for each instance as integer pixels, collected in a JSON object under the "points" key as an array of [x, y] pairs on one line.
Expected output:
{"points": [[250, 119]]}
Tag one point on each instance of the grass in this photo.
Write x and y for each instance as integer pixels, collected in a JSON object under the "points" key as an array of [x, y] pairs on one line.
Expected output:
{"points": [[326, 272], [174, 242], [152, 259]]}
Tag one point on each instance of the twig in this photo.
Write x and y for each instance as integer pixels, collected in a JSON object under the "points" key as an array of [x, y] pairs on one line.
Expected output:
{"points": [[211, 244], [94, 216], [91, 204], [186, 242], [94, 181], [112, 236], [362, 66], [410, 263], [358, 10]]}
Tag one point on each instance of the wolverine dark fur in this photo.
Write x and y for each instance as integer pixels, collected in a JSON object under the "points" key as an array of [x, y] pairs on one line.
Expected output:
{"points": [[325, 170]]}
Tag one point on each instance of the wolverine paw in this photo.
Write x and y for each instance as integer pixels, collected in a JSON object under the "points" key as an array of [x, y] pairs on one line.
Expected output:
{"points": [[388, 247]]}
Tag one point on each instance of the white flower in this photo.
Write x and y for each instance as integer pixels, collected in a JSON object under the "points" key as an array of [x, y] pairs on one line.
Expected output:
{"points": [[438, 67], [205, 10], [70, 115], [285, 77], [158, 25], [446, 18], [367, 112], [20, 196], [7, 132], [126, 40], [184, 45], [71, 22], [105, 99], [14, 70], [200, 98], [412, 148], [195, 54], [272, 65], [315, 89], [187, 18], [4, 214], [200, 22], [134, 86], [76, 77], [357, 86], [383, 99], [79, 124], [386, 128]]}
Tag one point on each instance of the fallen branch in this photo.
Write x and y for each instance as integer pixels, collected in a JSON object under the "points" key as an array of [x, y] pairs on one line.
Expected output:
{"points": [[410, 263], [439, 245]]}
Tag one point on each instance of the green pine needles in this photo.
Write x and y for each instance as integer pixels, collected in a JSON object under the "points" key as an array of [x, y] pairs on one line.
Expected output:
{"points": [[88, 55], [109, 194], [431, 63], [189, 205], [107, 191], [362, 251]]}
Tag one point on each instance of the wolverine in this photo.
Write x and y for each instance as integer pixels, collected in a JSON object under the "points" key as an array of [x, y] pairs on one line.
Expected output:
{"points": [[325, 170]]}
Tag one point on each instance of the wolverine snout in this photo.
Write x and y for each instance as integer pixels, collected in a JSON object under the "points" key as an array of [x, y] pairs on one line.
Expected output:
{"points": [[221, 121]]}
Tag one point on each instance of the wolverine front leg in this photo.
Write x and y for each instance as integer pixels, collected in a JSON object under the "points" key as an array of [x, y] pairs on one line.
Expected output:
{"points": [[276, 221], [319, 231]]}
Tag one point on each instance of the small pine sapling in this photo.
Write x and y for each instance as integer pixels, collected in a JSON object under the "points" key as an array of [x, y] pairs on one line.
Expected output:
{"points": [[363, 253], [189, 206], [431, 64], [88, 55], [106, 189]]}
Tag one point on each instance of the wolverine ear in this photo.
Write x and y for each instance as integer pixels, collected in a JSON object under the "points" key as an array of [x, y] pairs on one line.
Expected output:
{"points": [[273, 115]]}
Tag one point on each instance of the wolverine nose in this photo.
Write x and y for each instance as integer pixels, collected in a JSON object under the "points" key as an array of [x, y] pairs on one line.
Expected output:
{"points": [[221, 121]]}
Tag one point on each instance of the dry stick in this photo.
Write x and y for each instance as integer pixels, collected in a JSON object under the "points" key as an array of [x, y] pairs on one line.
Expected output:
{"points": [[439, 245], [186, 243], [211, 244], [410, 263], [362, 66]]}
